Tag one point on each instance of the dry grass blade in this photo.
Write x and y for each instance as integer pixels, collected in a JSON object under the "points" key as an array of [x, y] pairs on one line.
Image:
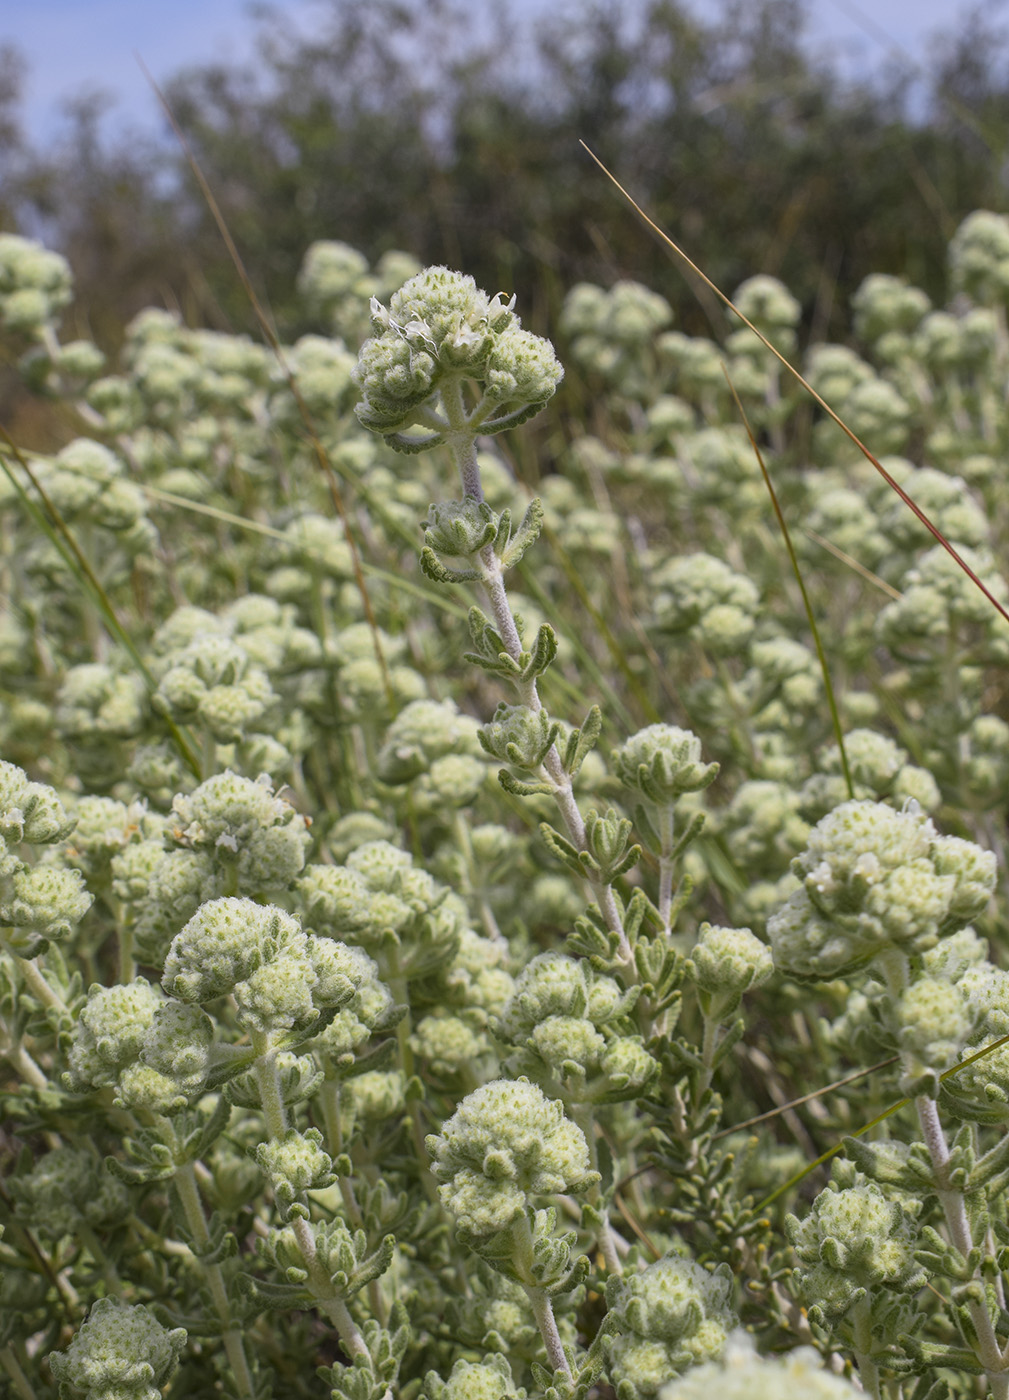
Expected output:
{"points": [[853, 564], [828, 684], [894, 485]]}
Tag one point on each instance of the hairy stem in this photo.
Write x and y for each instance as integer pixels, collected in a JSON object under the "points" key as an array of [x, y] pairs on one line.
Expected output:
{"points": [[234, 1346]]}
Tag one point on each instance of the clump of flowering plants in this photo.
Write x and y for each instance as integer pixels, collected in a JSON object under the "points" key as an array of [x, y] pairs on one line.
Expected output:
{"points": [[444, 936]]}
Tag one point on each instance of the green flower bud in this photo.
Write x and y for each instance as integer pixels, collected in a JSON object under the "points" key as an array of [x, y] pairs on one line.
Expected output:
{"points": [[331, 270], [120, 1353], [884, 304], [626, 1068], [490, 1379], [556, 985], [671, 1316], [834, 371], [423, 732], [67, 1188], [214, 682], [456, 531], [30, 811], [522, 368], [726, 962], [519, 736], [175, 1058], [295, 1164], [42, 903], [110, 1033], [246, 826], [94, 700], [932, 1025], [506, 1143], [979, 256], [377, 1095], [691, 588], [448, 1043], [875, 878], [662, 762], [566, 1040], [854, 1239]]}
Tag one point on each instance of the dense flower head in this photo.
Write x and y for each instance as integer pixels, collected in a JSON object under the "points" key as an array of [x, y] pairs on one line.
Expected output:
{"points": [[66, 1188], [854, 1238], [279, 975], [120, 1353], [506, 1144], [662, 762], [40, 903], [439, 324], [383, 901], [673, 1315], [423, 732], [30, 812], [979, 255], [874, 878], [243, 822], [490, 1379], [35, 284], [729, 960], [111, 1029]]}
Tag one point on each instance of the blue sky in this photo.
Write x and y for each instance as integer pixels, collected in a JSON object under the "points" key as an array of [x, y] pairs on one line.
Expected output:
{"points": [[74, 46]]}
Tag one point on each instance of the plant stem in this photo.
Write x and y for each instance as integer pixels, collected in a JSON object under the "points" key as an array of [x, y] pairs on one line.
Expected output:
{"points": [[325, 1294], [231, 1336], [37, 984], [986, 1346], [868, 1371], [547, 1323], [268, 1081], [19, 1381], [666, 831]]}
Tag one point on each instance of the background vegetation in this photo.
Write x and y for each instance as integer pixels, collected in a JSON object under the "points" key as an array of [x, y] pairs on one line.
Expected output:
{"points": [[417, 127]]}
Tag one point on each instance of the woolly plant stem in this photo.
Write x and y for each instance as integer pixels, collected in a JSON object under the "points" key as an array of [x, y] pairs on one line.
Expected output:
{"points": [[38, 985], [542, 1307], [586, 1120], [868, 1371], [954, 1208], [231, 1336], [275, 1114], [666, 867], [325, 1295], [462, 444]]}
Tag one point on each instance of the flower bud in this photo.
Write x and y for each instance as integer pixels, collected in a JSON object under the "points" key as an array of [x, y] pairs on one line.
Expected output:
{"points": [[120, 1353]]}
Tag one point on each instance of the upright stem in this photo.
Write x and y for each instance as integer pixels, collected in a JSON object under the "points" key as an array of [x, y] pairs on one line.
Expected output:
{"points": [[38, 985], [324, 1292], [665, 817], [268, 1082], [547, 1323], [234, 1346], [868, 1371], [560, 780], [989, 1353], [539, 1298]]}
